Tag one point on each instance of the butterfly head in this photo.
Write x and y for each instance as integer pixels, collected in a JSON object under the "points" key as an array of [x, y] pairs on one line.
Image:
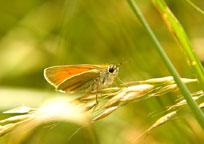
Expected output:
{"points": [[109, 74], [113, 70]]}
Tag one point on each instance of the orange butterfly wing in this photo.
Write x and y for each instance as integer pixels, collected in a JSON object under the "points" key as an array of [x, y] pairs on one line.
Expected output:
{"points": [[57, 74], [79, 82]]}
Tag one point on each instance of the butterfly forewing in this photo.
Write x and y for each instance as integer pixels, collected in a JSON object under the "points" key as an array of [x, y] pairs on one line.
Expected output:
{"points": [[78, 78], [79, 82], [57, 74]]}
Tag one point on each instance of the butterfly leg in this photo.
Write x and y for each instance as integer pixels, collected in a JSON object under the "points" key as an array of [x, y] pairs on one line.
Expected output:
{"points": [[96, 83], [97, 88]]}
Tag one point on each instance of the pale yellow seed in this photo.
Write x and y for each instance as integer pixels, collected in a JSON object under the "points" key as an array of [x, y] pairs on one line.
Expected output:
{"points": [[16, 118], [105, 113], [22, 109], [89, 105], [162, 120], [181, 103], [134, 92], [165, 90], [5, 129], [201, 105], [114, 100]]}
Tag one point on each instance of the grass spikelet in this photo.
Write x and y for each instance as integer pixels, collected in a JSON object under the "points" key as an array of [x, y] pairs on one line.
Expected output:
{"points": [[165, 89], [107, 112], [89, 105], [183, 102], [109, 100], [7, 128], [115, 100], [201, 105], [61, 110], [158, 123], [17, 118], [159, 81], [129, 93], [166, 80], [162, 120], [134, 92], [20, 110]]}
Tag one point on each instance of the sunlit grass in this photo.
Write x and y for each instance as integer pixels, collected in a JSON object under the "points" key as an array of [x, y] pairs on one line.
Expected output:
{"points": [[79, 110], [36, 34], [183, 89]]}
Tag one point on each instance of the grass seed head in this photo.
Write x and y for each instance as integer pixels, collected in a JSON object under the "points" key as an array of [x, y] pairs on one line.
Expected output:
{"points": [[107, 112], [7, 128], [17, 118], [162, 120], [20, 110]]}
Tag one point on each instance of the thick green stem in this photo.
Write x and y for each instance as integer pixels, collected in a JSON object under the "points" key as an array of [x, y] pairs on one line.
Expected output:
{"points": [[184, 90]]}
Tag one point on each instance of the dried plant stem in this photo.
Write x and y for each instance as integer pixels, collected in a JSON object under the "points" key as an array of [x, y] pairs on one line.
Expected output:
{"points": [[184, 90], [110, 99]]}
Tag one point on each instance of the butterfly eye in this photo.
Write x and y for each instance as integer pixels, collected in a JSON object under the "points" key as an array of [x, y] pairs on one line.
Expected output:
{"points": [[111, 70]]}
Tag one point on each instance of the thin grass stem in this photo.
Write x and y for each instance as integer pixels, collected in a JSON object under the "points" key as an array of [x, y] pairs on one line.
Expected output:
{"points": [[181, 37], [183, 89], [195, 7]]}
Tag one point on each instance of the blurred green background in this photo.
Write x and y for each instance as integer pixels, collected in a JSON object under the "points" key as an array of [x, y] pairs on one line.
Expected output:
{"points": [[36, 34]]}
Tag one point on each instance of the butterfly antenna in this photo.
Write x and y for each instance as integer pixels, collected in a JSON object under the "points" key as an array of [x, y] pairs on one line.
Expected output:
{"points": [[125, 62]]}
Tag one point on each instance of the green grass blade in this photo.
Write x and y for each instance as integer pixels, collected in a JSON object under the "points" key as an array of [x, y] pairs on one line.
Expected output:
{"points": [[184, 90], [195, 7], [181, 37]]}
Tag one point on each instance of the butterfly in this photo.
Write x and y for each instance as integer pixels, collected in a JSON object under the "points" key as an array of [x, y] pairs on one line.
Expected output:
{"points": [[82, 77]]}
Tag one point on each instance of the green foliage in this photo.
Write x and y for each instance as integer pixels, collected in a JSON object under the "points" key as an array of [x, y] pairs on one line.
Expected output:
{"points": [[36, 34], [184, 90]]}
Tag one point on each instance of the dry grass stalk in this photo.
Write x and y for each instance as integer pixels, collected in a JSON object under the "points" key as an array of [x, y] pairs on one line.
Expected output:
{"points": [[17, 118], [143, 89], [7, 128], [62, 110], [109, 100], [20, 110], [183, 102], [107, 112], [158, 123], [201, 105], [161, 120]]}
